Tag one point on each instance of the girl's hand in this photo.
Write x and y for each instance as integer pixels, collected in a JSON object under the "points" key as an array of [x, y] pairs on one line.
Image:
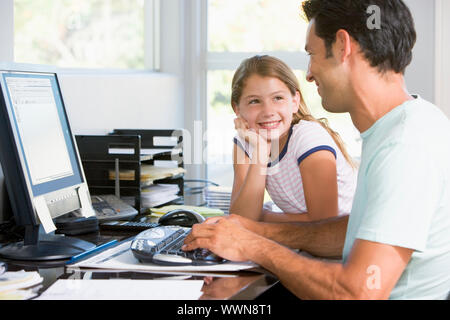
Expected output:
{"points": [[260, 145]]}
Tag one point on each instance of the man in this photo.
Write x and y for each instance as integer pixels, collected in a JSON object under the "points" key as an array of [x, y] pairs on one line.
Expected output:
{"points": [[396, 242]]}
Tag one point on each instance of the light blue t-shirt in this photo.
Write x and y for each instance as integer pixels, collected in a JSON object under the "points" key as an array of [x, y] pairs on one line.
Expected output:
{"points": [[403, 195]]}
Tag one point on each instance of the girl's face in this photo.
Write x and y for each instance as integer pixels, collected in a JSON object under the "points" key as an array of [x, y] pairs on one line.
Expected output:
{"points": [[267, 105]]}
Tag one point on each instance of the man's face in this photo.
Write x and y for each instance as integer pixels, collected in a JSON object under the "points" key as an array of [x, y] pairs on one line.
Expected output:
{"points": [[325, 71]]}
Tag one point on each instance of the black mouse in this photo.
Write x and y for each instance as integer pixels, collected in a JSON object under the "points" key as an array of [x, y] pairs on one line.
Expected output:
{"points": [[181, 217]]}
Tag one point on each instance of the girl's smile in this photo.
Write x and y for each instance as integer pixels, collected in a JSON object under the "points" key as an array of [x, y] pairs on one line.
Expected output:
{"points": [[269, 125]]}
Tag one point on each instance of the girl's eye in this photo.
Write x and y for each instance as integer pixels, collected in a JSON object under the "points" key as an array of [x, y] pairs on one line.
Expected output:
{"points": [[279, 98]]}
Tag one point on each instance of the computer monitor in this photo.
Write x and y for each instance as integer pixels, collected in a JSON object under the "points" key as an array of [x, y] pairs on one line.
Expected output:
{"points": [[41, 165], [5, 208]]}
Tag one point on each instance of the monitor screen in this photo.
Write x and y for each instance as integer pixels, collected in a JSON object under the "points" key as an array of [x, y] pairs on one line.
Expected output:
{"points": [[42, 133]]}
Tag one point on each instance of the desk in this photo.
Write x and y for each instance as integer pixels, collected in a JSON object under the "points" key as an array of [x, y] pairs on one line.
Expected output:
{"points": [[245, 285]]}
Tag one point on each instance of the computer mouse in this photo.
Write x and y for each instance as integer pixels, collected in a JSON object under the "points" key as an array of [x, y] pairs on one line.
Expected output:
{"points": [[181, 217]]}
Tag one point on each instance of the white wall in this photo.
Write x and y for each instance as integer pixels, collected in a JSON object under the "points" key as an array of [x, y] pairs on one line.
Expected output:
{"points": [[442, 39], [98, 103], [420, 74]]}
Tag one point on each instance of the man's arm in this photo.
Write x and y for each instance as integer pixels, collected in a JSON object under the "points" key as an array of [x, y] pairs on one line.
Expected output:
{"points": [[323, 238], [371, 271]]}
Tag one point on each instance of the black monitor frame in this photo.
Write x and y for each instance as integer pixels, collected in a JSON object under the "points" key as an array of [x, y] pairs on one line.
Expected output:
{"points": [[37, 246]]}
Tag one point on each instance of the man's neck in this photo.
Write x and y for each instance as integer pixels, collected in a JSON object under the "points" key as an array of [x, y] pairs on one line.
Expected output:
{"points": [[375, 96]]}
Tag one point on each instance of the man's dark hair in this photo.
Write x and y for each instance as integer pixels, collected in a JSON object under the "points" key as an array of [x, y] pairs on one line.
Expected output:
{"points": [[388, 47]]}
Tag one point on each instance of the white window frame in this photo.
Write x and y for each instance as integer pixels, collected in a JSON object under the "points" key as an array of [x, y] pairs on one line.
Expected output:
{"points": [[7, 30], [194, 82]]}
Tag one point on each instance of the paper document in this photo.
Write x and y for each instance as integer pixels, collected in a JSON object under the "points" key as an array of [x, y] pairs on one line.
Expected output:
{"points": [[123, 289], [121, 258], [150, 152], [158, 194], [14, 285], [149, 173], [11, 280]]}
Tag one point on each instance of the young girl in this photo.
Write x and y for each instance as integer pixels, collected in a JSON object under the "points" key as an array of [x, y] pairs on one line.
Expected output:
{"points": [[282, 148]]}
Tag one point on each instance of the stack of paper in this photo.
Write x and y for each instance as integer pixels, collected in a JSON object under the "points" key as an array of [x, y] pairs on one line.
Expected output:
{"points": [[14, 285], [158, 194], [218, 197], [149, 173]]}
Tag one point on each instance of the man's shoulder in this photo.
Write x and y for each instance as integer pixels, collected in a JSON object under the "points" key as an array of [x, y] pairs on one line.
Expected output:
{"points": [[425, 123], [413, 123], [420, 109]]}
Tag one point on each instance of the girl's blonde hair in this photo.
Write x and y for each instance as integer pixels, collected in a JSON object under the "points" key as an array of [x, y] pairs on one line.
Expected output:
{"points": [[268, 66]]}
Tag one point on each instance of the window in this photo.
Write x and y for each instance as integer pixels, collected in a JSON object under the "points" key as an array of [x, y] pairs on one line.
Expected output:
{"points": [[273, 27], [255, 26], [82, 33]]}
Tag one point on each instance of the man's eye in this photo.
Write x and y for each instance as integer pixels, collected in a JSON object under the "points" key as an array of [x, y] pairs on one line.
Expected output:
{"points": [[254, 101]]}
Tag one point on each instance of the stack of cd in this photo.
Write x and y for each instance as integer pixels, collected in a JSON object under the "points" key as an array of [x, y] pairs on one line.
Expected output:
{"points": [[218, 197]]}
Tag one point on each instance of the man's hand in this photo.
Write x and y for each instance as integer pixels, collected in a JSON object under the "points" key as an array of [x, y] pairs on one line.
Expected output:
{"points": [[249, 224], [225, 236]]}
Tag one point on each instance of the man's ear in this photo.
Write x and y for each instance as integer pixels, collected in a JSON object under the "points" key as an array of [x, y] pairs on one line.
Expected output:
{"points": [[343, 45]]}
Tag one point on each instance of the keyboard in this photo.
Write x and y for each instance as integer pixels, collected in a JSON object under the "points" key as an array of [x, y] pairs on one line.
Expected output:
{"points": [[127, 225], [162, 245]]}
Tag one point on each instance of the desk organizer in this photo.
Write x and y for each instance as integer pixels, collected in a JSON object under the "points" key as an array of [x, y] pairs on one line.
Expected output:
{"points": [[118, 163]]}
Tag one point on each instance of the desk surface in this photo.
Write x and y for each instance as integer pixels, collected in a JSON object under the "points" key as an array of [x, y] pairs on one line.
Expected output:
{"points": [[244, 285]]}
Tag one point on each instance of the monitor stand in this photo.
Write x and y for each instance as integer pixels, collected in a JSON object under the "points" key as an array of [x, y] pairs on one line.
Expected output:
{"points": [[39, 246]]}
